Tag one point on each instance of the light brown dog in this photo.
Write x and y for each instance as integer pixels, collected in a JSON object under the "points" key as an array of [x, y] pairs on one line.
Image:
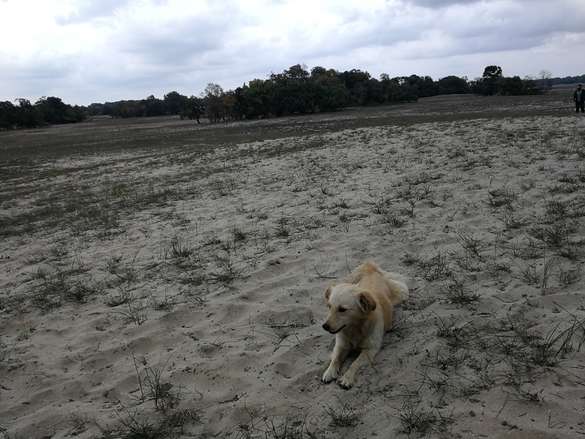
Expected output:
{"points": [[361, 309]]}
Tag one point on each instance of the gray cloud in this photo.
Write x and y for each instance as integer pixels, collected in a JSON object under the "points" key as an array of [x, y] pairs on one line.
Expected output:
{"points": [[175, 43], [88, 10], [441, 3], [110, 49]]}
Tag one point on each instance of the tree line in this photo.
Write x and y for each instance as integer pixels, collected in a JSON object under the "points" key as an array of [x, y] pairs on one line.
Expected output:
{"points": [[579, 79], [294, 91], [45, 111]]}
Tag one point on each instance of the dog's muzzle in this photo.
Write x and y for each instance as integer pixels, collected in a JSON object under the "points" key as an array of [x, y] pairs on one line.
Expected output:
{"points": [[327, 328]]}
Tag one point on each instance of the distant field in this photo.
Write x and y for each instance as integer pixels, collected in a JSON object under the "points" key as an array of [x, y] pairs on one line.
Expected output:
{"points": [[160, 278]]}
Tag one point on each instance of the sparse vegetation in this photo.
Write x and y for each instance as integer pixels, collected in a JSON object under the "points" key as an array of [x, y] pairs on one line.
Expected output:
{"points": [[435, 268], [502, 197], [59, 286], [416, 419], [343, 416], [134, 425], [135, 312], [209, 248], [227, 268], [456, 292]]}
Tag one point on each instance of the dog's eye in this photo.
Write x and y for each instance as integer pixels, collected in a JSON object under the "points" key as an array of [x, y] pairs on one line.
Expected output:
{"points": [[341, 309]]}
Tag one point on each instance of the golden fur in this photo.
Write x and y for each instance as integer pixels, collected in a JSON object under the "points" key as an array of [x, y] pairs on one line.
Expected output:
{"points": [[361, 309]]}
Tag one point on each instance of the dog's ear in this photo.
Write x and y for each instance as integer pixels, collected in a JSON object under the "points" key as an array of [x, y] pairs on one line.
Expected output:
{"points": [[366, 301], [328, 293]]}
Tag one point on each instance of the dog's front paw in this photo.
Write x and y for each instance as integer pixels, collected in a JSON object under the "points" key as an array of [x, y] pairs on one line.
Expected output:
{"points": [[329, 375], [346, 382]]}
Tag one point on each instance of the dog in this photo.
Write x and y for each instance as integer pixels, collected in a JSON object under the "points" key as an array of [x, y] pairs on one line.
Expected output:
{"points": [[361, 309]]}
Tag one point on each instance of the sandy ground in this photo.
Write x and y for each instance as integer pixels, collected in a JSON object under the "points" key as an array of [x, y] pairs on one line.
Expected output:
{"points": [[164, 280]]}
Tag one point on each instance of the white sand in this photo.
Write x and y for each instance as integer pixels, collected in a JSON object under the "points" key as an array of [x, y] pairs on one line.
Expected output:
{"points": [[250, 352]]}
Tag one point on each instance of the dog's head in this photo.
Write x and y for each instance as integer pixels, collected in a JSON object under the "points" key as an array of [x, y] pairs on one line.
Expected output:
{"points": [[348, 305]]}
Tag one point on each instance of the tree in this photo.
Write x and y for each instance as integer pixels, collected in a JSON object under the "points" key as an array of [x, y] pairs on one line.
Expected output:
{"points": [[47, 110], [213, 90], [53, 110], [193, 109], [7, 115], [230, 106], [452, 85], [375, 92], [490, 82], [545, 79], [318, 71], [512, 86], [428, 87], [214, 106], [492, 72], [175, 102], [530, 87], [293, 92], [255, 98], [296, 72], [329, 92], [27, 116], [153, 106], [356, 82]]}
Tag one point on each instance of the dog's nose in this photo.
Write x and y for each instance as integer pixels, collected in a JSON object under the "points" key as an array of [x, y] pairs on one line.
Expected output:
{"points": [[326, 327]]}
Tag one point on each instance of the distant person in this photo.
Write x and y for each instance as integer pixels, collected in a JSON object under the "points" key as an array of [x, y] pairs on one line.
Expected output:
{"points": [[579, 98]]}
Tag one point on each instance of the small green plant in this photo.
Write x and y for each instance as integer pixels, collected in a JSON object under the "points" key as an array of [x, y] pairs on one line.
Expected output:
{"points": [[415, 419], [501, 197], [555, 210], [274, 427], [381, 205], [179, 249], [227, 271], [457, 336], [393, 219], [512, 221], [528, 349], [554, 236], [238, 235], [530, 275], [343, 416], [165, 303], [49, 294], [152, 386], [57, 287], [282, 228], [470, 244], [552, 347], [435, 268], [539, 278], [457, 293], [133, 425], [135, 313]]}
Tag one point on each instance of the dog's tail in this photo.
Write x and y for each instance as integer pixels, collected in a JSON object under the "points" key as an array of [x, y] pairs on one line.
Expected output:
{"points": [[400, 281]]}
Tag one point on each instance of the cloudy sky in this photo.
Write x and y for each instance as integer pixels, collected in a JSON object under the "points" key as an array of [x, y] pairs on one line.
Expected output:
{"points": [[96, 50]]}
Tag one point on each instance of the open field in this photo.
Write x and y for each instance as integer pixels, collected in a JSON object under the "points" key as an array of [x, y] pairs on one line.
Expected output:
{"points": [[163, 279]]}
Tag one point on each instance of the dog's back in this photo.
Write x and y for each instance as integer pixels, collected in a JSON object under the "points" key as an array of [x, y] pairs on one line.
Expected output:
{"points": [[388, 291], [370, 276]]}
